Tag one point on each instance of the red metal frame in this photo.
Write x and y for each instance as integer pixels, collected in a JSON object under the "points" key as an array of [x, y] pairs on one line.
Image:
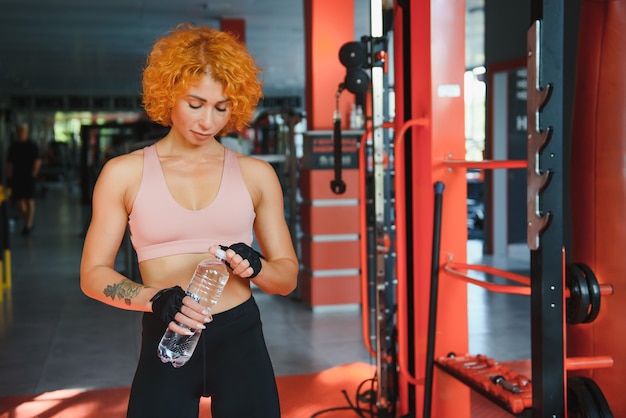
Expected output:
{"points": [[454, 270], [490, 164], [401, 250]]}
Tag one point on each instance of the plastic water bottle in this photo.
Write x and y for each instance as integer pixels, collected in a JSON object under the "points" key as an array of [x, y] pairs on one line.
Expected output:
{"points": [[206, 287]]}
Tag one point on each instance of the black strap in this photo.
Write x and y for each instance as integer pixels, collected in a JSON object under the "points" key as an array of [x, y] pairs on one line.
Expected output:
{"points": [[166, 303], [247, 253]]}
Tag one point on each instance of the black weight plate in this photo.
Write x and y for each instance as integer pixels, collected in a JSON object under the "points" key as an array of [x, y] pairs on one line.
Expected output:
{"points": [[580, 402], [594, 292], [577, 305], [602, 405]]}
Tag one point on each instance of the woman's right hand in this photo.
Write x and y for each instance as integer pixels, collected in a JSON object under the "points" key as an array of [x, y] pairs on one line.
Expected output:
{"points": [[174, 307], [192, 314]]}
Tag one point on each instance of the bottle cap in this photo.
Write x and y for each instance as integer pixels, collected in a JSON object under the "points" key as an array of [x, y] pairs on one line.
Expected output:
{"points": [[220, 254]]}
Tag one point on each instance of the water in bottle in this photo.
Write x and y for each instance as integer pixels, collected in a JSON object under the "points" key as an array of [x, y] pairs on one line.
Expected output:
{"points": [[206, 287]]}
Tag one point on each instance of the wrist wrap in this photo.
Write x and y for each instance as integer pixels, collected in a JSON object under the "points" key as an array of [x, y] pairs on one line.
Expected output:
{"points": [[166, 303], [247, 253]]}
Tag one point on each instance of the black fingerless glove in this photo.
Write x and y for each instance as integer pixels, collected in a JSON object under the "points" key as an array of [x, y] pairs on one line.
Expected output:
{"points": [[247, 253], [167, 303]]}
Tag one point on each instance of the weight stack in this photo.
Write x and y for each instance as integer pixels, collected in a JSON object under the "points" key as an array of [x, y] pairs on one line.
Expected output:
{"points": [[598, 187], [330, 242]]}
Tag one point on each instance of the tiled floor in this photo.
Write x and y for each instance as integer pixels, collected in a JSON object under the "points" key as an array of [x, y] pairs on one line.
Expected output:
{"points": [[53, 337]]}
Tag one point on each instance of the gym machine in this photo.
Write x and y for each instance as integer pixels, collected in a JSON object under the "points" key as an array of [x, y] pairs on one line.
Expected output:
{"points": [[376, 200], [564, 294]]}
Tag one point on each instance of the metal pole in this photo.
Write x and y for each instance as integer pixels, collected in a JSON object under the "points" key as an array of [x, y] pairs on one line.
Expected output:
{"points": [[546, 208], [434, 294], [379, 210]]}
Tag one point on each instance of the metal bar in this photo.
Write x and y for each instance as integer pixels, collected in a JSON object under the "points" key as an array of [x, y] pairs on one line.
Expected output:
{"points": [[434, 295], [382, 398], [487, 164], [292, 164], [401, 246], [452, 268], [584, 363], [492, 287], [490, 270]]}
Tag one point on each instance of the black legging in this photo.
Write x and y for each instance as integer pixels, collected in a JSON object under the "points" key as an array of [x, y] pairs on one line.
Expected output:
{"points": [[231, 365]]}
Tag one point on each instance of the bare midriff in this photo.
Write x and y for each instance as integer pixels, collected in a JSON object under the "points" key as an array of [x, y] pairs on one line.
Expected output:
{"points": [[178, 269]]}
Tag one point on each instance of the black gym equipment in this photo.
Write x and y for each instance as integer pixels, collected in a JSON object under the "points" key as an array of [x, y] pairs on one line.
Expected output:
{"points": [[353, 54], [357, 81], [583, 304], [585, 399], [434, 294]]}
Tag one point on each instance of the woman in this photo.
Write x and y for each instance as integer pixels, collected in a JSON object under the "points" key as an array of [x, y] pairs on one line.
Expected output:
{"points": [[183, 197]]}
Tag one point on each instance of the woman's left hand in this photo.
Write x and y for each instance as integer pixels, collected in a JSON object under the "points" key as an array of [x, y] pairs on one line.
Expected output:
{"points": [[242, 259]]}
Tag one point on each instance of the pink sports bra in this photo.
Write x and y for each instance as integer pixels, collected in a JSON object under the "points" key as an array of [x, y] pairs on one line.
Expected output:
{"points": [[159, 226]]}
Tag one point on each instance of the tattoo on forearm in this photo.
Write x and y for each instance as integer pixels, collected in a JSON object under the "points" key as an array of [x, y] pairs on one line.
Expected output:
{"points": [[123, 290]]}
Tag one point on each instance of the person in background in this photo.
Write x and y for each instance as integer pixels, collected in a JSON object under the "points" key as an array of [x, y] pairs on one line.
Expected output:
{"points": [[23, 165], [183, 197]]}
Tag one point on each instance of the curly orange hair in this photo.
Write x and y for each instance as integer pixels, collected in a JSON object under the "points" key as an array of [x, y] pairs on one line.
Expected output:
{"points": [[180, 59]]}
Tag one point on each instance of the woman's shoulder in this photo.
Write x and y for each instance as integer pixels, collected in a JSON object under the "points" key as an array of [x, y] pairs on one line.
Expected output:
{"points": [[260, 177], [128, 159], [253, 166], [124, 166]]}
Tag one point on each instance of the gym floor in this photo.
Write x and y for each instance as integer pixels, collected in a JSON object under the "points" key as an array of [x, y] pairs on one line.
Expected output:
{"points": [[53, 337]]}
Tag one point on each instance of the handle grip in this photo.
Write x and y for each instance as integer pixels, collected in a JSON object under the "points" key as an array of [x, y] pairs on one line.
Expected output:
{"points": [[337, 185]]}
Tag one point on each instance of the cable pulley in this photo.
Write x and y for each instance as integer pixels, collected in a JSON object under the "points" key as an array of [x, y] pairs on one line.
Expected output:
{"points": [[357, 81], [353, 54]]}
